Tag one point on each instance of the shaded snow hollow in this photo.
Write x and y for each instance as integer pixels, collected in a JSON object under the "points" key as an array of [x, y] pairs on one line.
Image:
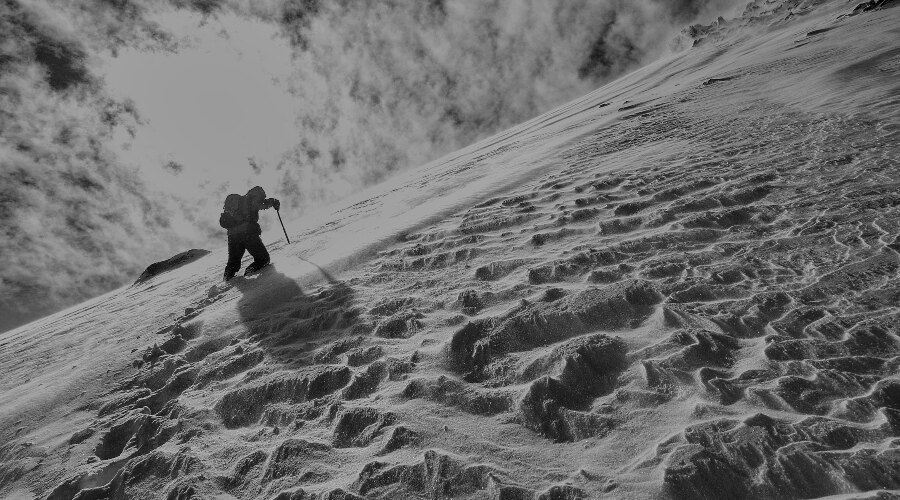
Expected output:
{"points": [[684, 284]]}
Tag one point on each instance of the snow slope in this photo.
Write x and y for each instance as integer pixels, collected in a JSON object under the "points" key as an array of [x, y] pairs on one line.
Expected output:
{"points": [[684, 284]]}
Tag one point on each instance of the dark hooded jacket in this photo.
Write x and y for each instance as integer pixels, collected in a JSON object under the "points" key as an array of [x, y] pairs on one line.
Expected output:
{"points": [[244, 219], [238, 221]]}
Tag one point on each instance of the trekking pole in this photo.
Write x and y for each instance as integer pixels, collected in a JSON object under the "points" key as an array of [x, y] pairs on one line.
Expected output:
{"points": [[282, 227]]}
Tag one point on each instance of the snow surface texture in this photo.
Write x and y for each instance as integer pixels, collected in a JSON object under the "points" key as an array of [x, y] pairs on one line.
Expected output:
{"points": [[685, 284]]}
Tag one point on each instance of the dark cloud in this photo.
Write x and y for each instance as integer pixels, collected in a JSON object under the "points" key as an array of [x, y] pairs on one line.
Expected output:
{"points": [[685, 11], [25, 39], [173, 167], [254, 166], [296, 16], [610, 53], [63, 61], [206, 7]]}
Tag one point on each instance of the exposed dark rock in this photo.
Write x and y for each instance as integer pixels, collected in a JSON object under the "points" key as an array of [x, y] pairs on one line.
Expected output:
{"points": [[182, 259]]}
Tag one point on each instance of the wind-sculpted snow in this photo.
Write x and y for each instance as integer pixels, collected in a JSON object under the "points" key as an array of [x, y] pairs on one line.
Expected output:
{"points": [[691, 294]]}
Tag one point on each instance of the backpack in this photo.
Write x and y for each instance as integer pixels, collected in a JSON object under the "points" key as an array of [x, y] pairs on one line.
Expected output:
{"points": [[234, 204]]}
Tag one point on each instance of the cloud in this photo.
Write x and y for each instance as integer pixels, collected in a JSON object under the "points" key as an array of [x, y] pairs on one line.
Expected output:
{"points": [[28, 38], [105, 169], [384, 85], [75, 223]]}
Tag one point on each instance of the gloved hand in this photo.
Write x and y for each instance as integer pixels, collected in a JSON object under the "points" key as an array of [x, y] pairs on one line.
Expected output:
{"points": [[276, 203]]}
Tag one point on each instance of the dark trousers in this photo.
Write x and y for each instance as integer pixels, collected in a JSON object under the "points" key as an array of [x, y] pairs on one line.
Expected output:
{"points": [[250, 242]]}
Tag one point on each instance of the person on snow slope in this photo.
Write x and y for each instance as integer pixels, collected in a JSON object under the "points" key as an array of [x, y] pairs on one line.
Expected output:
{"points": [[241, 219]]}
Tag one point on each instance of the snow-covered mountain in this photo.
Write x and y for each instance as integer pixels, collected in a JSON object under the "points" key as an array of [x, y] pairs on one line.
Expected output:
{"points": [[684, 284], [125, 124]]}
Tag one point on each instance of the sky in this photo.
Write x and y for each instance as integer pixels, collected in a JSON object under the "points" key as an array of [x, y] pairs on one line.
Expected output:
{"points": [[211, 108], [123, 125]]}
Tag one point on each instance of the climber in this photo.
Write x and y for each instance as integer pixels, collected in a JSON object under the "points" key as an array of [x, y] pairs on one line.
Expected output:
{"points": [[241, 218]]}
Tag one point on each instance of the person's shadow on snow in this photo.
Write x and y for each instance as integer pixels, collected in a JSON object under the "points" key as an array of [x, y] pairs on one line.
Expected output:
{"points": [[264, 292], [277, 313]]}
